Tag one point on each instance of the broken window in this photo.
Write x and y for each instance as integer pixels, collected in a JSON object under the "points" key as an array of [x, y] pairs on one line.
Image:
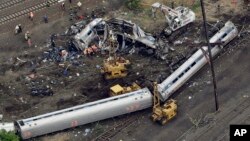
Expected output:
{"points": [[89, 32]]}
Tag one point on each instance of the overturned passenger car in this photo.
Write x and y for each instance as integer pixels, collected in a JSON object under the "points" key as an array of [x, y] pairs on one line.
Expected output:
{"points": [[129, 35]]}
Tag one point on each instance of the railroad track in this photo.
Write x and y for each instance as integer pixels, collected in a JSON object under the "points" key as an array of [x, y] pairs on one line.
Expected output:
{"points": [[7, 4], [222, 120], [122, 124], [24, 12], [236, 44], [240, 108]]}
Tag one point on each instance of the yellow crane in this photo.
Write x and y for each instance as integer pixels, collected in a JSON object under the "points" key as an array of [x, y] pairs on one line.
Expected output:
{"points": [[163, 113], [114, 67]]}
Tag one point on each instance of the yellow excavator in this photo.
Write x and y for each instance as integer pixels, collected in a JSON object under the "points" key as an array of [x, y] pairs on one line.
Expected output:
{"points": [[118, 89], [114, 67], [163, 113]]}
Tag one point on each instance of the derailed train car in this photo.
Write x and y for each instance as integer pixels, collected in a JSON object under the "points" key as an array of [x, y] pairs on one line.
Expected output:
{"points": [[83, 114], [123, 104], [196, 61]]}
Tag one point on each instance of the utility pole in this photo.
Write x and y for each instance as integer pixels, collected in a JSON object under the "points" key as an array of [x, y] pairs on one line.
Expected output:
{"points": [[210, 56]]}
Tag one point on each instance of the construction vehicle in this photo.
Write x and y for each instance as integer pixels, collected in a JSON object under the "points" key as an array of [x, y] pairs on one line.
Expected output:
{"points": [[163, 113], [176, 18], [114, 67], [118, 89]]}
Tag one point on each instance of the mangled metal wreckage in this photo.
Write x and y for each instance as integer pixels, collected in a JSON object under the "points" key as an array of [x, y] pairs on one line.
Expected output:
{"points": [[129, 35]]}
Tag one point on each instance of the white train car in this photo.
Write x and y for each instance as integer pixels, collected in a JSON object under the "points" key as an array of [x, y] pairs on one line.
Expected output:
{"points": [[83, 38], [83, 114], [196, 61]]}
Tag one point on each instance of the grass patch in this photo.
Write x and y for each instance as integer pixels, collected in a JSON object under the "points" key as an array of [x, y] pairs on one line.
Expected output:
{"points": [[133, 4], [8, 136], [196, 6]]}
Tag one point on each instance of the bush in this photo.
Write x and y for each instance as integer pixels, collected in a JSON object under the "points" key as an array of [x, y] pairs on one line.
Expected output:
{"points": [[8, 136], [133, 4], [196, 6]]}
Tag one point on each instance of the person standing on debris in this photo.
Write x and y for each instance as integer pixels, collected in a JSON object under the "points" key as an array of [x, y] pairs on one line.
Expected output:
{"points": [[31, 16], [45, 18], [70, 1], [52, 37], [172, 4], [93, 14], [218, 8]]}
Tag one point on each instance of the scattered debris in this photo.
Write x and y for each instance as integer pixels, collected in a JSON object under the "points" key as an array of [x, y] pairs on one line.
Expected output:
{"points": [[86, 132], [42, 92], [245, 96]]}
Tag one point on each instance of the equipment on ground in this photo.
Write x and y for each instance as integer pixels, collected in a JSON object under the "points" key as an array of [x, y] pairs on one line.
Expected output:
{"points": [[114, 67], [163, 113], [176, 18], [118, 89]]}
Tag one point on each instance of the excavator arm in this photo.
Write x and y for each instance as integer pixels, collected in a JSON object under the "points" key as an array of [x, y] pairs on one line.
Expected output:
{"points": [[156, 96], [168, 12]]}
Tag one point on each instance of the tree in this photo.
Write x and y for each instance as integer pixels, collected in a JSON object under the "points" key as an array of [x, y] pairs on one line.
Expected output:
{"points": [[8, 136], [133, 4]]}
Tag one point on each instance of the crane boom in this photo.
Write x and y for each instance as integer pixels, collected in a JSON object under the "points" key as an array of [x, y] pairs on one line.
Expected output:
{"points": [[176, 18]]}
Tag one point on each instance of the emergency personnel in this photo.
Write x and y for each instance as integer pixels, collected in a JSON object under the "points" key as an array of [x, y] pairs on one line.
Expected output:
{"points": [[47, 4], [18, 29], [218, 8], [45, 18], [172, 4], [31, 16], [63, 6], [27, 38], [27, 35], [93, 16]]}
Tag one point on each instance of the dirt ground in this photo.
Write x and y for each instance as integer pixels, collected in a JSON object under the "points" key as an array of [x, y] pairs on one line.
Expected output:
{"points": [[196, 113]]}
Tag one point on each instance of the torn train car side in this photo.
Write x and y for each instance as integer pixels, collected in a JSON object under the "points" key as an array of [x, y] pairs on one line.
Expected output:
{"points": [[129, 34]]}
